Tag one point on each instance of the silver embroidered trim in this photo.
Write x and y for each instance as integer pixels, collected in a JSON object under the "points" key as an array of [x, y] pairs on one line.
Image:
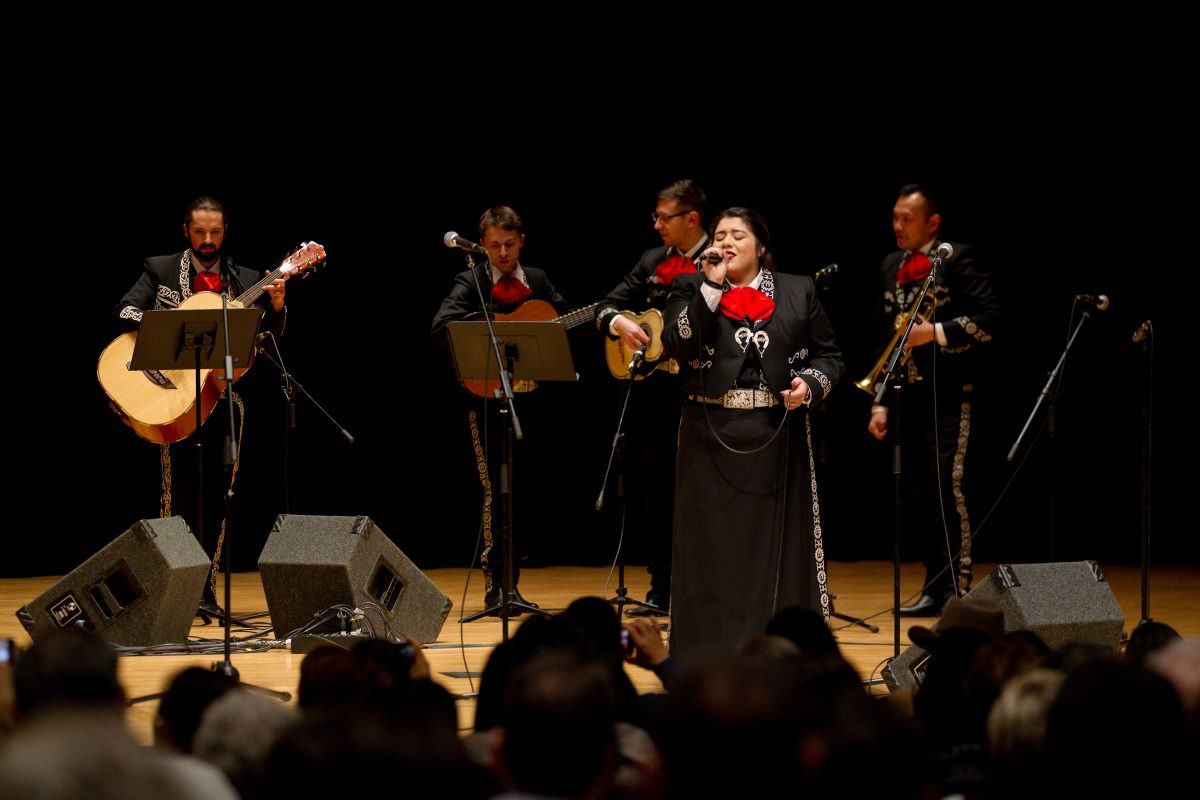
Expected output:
{"points": [[185, 277], [822, 378], [767, 285], [818, 540], [167, 297], [973, 329], [696, 363], [185, 273], [960, 499], [684, 325], [129, 312]]}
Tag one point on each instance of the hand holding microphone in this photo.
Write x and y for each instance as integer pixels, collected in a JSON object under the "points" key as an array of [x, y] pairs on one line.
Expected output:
{"points": [[715, 262]]}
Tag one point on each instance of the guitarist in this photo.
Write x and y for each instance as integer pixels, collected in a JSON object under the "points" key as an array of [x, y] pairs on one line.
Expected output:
{"points": [[165, 282], [653, 420], [507, 284]]}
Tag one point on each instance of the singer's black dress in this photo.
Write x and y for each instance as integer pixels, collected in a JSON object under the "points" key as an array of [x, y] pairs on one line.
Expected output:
{"points": [[748, 539]]}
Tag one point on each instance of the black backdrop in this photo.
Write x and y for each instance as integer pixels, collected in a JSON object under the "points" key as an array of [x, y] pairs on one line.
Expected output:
{"points": [[379, 190]]}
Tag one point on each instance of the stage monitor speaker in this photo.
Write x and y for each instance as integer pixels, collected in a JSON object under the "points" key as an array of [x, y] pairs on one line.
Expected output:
{"points": [[140, 589], [1060, 602], [312, 563]]}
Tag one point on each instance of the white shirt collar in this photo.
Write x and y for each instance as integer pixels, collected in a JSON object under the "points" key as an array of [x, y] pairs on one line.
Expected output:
{"points": [[518, 273]]}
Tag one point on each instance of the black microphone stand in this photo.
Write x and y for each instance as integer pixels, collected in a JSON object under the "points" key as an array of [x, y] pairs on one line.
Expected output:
{"points": [[504, 365], [226, 667], [889, 377], [1047, 395], [1144, 336], [823, 279], [617, 456], [290, 387]]}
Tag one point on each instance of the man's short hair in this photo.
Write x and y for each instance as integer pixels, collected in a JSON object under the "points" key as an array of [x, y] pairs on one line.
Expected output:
{"points": [[501, 217], [932, 200], [688, 195]]}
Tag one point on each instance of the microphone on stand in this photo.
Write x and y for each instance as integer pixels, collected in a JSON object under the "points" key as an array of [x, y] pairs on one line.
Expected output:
{"points": [[944, 251], [826, 271], [637, 357], [1100, 301], [1142, 331], [452, 239]]}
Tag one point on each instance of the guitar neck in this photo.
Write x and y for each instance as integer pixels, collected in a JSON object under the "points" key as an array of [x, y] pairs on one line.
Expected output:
{"points": [[254, 292], [578, 317]]}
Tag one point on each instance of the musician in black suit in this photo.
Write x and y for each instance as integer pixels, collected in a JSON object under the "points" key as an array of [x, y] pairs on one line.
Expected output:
{"points": [[165, 282], [506, 284], [653, 417], [757, 352], [949, 354]]}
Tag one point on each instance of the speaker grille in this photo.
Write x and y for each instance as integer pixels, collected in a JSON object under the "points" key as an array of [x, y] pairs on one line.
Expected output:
{"points": [[140, 589], [311, 563], [1060, 602]]}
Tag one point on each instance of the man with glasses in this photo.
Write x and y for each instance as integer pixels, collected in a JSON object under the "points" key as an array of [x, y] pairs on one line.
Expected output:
{"points": [[653, 418]]}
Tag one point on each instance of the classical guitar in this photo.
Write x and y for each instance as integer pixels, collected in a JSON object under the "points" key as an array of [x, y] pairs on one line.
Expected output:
{"points": [[618, 354], [160, 405], [531, 311]]}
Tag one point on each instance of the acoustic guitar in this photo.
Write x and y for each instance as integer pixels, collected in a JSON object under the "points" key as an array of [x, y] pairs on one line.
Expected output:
{"points": [[530, 311], [618, 354], [160, 405]]}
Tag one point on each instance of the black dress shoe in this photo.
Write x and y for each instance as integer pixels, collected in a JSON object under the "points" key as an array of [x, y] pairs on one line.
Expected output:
{"points": [[209, 610], [927, 606], [656, 607]]}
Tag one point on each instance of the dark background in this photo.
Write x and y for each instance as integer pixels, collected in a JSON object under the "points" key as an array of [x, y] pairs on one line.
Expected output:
{"points": [[1057, 196]]}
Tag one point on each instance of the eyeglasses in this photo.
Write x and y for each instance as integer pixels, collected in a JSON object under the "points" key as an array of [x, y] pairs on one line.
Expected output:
{"points": [[656, 218]]}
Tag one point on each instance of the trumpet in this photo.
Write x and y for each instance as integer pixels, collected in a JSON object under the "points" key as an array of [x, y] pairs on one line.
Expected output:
{"points": [[869, 383]]}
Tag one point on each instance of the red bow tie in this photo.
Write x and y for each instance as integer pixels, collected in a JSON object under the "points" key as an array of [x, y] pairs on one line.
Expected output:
{"points": [[207, 282], [672, 268], [509, 291], [746, 303], [915, 267]]}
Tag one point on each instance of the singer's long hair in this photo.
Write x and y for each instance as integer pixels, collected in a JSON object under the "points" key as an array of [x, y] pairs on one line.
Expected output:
{"points": [[758, 226]]}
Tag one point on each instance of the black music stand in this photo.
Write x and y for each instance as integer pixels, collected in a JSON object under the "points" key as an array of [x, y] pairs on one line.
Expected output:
{"points": [[531, 351], [196, 339]]}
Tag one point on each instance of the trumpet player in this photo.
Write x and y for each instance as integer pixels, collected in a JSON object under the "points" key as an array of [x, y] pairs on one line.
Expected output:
{"points": [[946, 354]]}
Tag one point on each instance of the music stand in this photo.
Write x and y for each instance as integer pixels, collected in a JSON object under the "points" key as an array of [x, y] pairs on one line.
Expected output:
{"points": [[533, 351], [196, 339]]}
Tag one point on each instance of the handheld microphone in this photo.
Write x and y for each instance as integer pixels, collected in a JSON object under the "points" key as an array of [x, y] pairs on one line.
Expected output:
{"points": [[637, 357], [711, 256], [1100, 301], [1141, 332], [829, 270], [452, 239]]}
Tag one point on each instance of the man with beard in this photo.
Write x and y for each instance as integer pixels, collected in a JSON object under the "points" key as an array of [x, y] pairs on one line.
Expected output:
{"points": [[167, 281]]}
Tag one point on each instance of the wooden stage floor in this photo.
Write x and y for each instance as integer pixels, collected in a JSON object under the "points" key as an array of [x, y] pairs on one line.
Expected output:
{"points": [[863, 589]]}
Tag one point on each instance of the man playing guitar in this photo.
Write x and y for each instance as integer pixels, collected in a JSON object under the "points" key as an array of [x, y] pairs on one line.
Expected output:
{"points": [[654, 414], [507, 284]]}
